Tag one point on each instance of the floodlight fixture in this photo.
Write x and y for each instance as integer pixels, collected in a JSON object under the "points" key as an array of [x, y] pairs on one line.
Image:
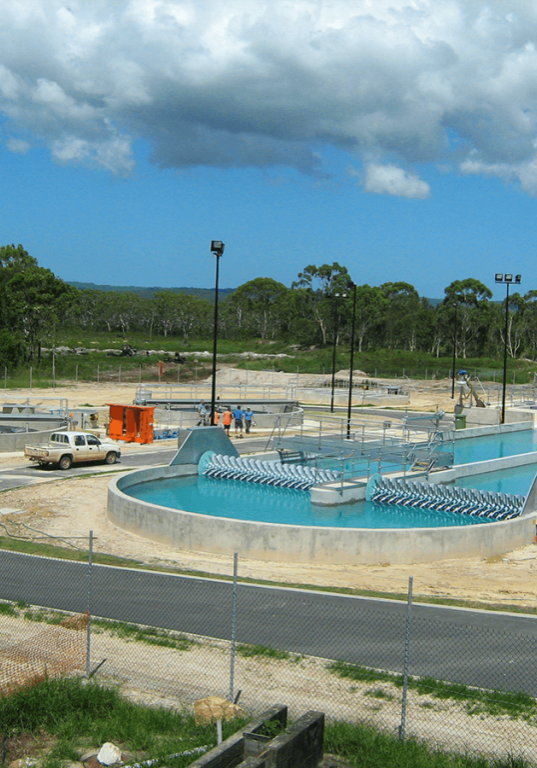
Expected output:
{"points": [[217, 247]]}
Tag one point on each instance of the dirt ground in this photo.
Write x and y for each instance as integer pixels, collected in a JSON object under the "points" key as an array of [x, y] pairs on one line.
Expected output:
{"points": [[73, 507]]}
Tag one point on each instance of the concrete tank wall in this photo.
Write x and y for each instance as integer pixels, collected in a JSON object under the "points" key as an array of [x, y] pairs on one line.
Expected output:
{"points": [[15, 441], [303, 544]]}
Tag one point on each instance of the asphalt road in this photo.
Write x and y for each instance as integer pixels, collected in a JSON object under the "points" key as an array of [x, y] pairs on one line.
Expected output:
{"points": [[476, 648]]}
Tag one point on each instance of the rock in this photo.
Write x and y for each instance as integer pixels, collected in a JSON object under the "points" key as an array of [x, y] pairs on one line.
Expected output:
{"points": [[213, 708], [23, 762], [109, 754], [91, 762]]}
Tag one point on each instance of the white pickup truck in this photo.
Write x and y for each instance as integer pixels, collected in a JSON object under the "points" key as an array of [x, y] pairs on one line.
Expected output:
{"points": [[66, 448]]}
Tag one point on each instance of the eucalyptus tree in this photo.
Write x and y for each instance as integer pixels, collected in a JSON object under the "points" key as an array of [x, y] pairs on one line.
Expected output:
{"points": [[371, 306], [314, 292], [469, 303], [258, 306], [401, 315], [38, 303]]}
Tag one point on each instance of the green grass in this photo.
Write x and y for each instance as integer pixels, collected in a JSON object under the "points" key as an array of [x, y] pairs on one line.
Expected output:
{"points": [[7, 609], [476, 701], [77, 716], [123, 630], [147, 635], [71, 717], [262, 650], [379, 693], [365, 747]]}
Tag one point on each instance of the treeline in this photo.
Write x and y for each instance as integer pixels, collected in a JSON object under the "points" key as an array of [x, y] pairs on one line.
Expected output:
{"points": [[36, 307]]}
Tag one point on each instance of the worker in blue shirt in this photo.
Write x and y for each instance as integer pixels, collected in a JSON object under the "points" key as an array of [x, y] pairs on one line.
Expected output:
{"points": [[248, 416], [238, 416]]}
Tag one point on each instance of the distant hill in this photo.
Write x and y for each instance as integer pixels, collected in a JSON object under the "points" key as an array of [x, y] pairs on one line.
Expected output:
{"points": [[148, 293]]}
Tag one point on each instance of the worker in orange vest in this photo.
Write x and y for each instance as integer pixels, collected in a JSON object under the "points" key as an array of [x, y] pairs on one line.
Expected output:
{"points": [[227, 419]]}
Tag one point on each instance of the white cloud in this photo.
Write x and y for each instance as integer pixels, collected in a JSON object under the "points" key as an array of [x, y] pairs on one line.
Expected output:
{"points": [[18, 146], [253, 82], [392, 180]]}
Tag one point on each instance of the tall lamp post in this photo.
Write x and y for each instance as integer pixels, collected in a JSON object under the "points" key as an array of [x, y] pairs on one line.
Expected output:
{"points": [[353, 327], [454, 352], [507, 279], [217, 248], [336, 297]]}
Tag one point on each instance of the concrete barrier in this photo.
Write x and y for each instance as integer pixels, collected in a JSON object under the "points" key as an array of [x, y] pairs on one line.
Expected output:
{"points": [[15, 441]]}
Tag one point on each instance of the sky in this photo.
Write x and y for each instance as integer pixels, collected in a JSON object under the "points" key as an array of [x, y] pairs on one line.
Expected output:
{"points": [[396, 137]]}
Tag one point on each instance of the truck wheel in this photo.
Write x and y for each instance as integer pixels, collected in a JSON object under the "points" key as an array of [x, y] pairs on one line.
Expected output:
{"points": [[111, 458], [65, 462]]}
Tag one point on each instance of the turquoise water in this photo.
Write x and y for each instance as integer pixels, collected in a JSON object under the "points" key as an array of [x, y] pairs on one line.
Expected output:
{"points": [[473, 449], [516, 480], [250, 501]]}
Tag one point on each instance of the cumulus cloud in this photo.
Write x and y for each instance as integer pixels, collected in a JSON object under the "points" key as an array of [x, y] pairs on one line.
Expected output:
{"points": [[391, 180], [17, 146], [259, 83]]}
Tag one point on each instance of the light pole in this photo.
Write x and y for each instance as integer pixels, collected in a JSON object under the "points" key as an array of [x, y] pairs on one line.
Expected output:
{"points": [[217, 248], [353, 326], [454, 352], [336, 297], [507, 279]]}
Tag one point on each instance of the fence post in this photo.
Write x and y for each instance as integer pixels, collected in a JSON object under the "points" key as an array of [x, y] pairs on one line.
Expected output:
{"points": [[31, 371], [88, 628], [233, 626], [76, 375], [405, 669]]}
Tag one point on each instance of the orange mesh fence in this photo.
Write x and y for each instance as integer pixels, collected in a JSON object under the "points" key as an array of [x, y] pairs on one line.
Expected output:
{"points": [[53, 652]]}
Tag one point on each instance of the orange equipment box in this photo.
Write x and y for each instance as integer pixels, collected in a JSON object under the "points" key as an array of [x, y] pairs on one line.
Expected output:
{"points": [[132, 423]]}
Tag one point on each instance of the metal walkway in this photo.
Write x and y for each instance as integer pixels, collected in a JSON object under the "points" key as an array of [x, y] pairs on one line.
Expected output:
{"points": [[465, 501]]}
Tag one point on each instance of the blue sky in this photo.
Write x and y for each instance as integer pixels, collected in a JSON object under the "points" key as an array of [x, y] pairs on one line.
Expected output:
{"points": [[396, 138]]}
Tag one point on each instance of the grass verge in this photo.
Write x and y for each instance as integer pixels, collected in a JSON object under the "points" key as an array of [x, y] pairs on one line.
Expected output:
{"points": [[61, 720], [363, 746], [125, 631], [476, 701]]}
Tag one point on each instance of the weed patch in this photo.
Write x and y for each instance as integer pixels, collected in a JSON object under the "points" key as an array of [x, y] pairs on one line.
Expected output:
{"points": [[363, 746], [476, 701], [262, 650]]}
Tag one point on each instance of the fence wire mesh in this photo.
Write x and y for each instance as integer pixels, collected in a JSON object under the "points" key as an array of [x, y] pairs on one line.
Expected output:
{"points": [[458, 679]]}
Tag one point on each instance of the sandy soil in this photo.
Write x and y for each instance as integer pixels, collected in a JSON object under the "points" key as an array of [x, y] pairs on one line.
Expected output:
{"points": [[73, 507]]}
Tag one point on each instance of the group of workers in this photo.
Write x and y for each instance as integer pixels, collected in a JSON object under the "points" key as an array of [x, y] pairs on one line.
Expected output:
{"points": [[239, 418]]}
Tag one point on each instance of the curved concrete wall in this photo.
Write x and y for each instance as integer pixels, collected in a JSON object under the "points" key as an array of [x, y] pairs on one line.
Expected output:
{"points": [[302, 544]]}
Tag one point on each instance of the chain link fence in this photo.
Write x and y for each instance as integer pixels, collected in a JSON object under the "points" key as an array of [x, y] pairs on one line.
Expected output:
{"points": [[461, 680]]}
